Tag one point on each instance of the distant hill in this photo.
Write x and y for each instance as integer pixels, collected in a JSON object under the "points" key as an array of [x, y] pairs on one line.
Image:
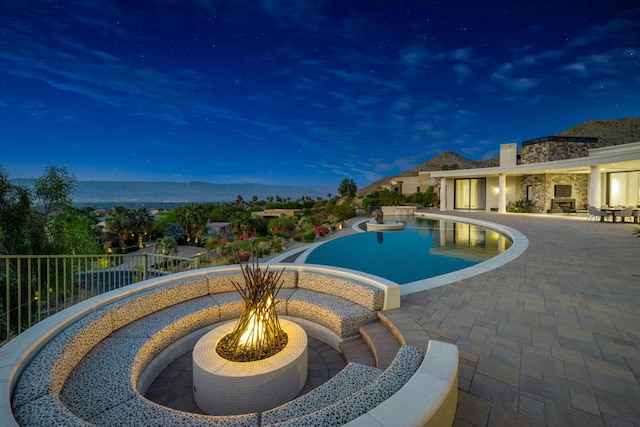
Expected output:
{"points": [[179, 192], [608, 132]]}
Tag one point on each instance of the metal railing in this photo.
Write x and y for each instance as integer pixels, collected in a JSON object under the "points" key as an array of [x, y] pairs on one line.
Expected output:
{"points": [[33, 287]]}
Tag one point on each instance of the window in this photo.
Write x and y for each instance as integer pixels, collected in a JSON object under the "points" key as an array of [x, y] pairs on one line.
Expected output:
{"points": [[470, 194]]}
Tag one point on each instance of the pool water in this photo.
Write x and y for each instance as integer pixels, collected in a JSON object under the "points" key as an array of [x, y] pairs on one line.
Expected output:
{"points": [[425, 248]]}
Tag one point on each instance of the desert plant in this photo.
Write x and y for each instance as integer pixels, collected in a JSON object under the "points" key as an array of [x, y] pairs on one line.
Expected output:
{"points": [[522, 206]]}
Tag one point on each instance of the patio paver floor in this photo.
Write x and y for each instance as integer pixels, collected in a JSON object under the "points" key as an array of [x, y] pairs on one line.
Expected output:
{"points": [[551, 338]]}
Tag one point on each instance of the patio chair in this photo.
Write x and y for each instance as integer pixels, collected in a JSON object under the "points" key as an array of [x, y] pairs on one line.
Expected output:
{"points": [[595, 213], [624, 213]]}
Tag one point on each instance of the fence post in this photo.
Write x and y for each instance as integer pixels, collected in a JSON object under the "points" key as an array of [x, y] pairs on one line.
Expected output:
{"points": [[145, 265]]}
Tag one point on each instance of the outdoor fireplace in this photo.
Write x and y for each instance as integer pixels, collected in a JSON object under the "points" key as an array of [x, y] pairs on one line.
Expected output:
{"points": [[558, 204]]}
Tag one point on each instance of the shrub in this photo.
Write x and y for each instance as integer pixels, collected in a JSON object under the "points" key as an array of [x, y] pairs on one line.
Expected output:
{"points": [[281, 224], [522, 206]]}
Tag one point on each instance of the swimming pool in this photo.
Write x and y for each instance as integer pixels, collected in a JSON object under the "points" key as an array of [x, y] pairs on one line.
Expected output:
{"points": [[426, 248]]}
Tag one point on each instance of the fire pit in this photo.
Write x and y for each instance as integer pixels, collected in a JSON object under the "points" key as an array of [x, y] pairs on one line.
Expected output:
{"points": [[256, 365]]}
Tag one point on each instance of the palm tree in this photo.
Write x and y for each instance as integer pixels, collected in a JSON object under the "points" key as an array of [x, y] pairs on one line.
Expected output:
{"points": [[143, 222], [237, 224], [166, 246], [194, 220], [120, 221]]}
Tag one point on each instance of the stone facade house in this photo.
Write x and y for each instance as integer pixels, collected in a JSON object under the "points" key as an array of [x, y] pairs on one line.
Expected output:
{"points": [[552, 173]]}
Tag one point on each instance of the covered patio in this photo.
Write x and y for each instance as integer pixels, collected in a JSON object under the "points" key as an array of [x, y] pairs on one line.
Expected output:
{"points": [[608, 176]]}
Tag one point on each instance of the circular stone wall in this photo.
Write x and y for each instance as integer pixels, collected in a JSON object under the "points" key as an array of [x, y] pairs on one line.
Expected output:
{"points": [[223, 387]]}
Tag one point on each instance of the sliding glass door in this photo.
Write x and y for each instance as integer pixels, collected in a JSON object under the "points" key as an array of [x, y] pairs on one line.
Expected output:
{"points": [[470, 193]]}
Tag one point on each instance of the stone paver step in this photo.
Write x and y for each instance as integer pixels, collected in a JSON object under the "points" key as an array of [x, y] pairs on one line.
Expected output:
{"points": [[355, 350], [382, 342], [404, 328]]}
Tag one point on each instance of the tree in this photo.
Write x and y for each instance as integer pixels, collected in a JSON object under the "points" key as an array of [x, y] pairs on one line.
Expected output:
{"points": [[176, 231], [166, 245], [53, 189], [237, 223], [451, 167], [75, 232], [142, 223], [194, 220], [348, 188], [21, 231], [120, 221], [427, 198], [384, 197]]}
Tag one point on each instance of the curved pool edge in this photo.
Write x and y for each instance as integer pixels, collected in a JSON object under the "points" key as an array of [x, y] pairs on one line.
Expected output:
{"points": [[519, 244]]}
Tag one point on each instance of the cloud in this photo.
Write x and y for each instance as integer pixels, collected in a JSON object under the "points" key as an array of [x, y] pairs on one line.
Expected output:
{"points": [[462, 54], [302, 14], [463, 71], [620, 28], [418, 57], [515, 84]]}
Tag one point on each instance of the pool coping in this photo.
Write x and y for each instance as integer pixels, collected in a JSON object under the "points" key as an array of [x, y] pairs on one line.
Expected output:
{"points": [[519, 244]]}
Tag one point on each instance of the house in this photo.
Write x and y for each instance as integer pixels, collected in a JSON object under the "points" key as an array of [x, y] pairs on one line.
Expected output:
{"points": [[276, 213], [551, 172], [412, 184]]}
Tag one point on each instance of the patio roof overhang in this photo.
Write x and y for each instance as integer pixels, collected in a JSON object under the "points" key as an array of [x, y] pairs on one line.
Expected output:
{"points": [[617, 158]]}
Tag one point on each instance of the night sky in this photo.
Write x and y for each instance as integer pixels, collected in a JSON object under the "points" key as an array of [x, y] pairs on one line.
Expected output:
{"points": [[298, 92]]}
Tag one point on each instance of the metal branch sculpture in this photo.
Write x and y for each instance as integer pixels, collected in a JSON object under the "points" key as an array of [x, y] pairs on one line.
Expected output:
{"points": [[257, 334]]}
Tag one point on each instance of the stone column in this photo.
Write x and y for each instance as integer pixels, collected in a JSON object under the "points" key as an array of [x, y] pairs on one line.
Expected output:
{"points": [[502, 193], [443, 194], [595, 187]]}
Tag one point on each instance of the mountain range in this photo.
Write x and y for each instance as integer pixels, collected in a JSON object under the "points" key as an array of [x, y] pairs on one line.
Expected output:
{"points": [[608, 132], [134, 192]]}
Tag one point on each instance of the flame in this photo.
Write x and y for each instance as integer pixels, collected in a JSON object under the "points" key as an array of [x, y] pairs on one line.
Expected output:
{"points": [[255, 330]]}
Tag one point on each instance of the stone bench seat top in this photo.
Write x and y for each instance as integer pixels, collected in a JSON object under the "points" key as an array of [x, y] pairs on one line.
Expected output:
{"points": [[403, 366], [341, 316], [351, 379]]}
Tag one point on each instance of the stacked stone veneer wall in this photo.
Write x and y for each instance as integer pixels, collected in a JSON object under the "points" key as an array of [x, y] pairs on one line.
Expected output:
{"points": [[544, 185], [551, 151], [538, 195], [579, 187]]}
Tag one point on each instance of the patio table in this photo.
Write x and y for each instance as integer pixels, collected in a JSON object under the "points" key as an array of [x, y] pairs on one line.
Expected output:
{"points": [[612, 210]]}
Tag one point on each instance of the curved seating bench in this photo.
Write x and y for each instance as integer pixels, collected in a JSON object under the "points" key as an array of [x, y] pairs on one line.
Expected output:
{"points": [[428, 399], [348, 381], [90, 365], [404, 365], [44, 357]]}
